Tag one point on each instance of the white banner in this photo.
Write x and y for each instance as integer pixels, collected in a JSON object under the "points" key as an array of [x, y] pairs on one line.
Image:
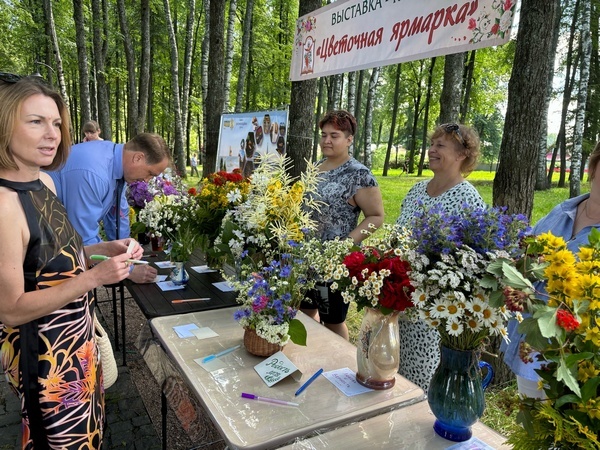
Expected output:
{"points": [[244, 137], [350, 35]]}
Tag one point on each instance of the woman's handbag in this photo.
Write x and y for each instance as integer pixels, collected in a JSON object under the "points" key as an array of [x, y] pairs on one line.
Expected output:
{"points": [[107, 358]]}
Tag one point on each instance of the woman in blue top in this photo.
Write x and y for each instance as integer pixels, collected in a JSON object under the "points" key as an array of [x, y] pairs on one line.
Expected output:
{"points": [[573, 220]]}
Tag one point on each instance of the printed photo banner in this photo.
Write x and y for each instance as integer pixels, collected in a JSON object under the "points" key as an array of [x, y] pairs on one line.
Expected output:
{"points": [[244, 137], [350, 35]]}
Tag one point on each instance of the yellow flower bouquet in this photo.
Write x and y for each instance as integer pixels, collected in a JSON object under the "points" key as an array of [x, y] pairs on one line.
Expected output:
{"points": [[562, 331]]}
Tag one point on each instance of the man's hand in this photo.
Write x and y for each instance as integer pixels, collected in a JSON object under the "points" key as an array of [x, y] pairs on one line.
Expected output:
{"points": [[143, 273]]}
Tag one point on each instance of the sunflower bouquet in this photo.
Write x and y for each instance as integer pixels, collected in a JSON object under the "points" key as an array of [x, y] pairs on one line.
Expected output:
{"points": [[559, 293]]}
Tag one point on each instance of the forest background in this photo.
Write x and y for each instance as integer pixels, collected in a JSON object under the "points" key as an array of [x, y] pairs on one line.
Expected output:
{"points": [[174, 66]]}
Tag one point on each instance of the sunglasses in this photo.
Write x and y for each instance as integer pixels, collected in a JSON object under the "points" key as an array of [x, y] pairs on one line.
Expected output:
{"points": [[9, 77], [346, 116], [453, 128]]}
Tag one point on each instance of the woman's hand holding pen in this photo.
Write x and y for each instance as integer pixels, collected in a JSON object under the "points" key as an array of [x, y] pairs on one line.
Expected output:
{"points": [[112, 270]]}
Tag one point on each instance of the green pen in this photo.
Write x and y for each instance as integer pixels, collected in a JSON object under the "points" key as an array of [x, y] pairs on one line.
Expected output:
{"points": [[104, 258]]}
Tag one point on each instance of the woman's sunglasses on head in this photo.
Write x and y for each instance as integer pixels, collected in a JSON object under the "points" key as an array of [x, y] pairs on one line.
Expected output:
{"points": [[12, 78], [453, 128]]}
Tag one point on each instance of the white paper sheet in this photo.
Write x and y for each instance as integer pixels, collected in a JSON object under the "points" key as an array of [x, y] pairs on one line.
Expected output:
{"points": [[186, 331], [203, 269], [223, 286], [164, 264], [345, 380], [169, 286]]}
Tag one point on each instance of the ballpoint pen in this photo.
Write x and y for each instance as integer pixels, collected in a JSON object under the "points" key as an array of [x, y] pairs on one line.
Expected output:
{"points": [[268, 400], [103, 258], [218, 355], [310, 380], [185, 300]]}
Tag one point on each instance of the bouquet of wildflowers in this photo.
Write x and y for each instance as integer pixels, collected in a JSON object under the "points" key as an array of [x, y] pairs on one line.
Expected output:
{"points": [[276, 211], [172, 217], [449, 256], [215, 195], [264, 237], [373, 275], [271, 296], [563, 331]]}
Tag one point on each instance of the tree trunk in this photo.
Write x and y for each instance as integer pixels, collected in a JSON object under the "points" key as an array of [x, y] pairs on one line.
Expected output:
{"points": [[179, 146], [368, 159], [205, 55], [244, 57], [145, 63], [99, 18], [351, 91], [131, 70], [426, 118], [584, 76], [60, 72], [82, 63], [388, 152], [302, 110], [357, 112], [229, 51], [319, 113], [187, 76], [451, 89], [216, 88], [467, 85]]}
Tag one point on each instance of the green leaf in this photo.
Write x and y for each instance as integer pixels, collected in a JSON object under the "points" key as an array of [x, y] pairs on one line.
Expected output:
{"points": [[489, 282], [567, 375], [590, 388], [515, 278], [297, 332], [530, 328], [546, 317], [569, 398], [496, 299]]}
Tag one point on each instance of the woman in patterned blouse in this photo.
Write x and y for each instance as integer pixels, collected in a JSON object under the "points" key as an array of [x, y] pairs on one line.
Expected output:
{"points": [[346, 188]]}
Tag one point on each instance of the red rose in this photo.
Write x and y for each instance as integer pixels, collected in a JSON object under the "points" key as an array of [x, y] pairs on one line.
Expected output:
{"points": [[395, 296], [354, 262], [192, 191]]}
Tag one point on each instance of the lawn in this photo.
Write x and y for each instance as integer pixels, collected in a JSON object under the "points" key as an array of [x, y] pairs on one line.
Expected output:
{"points": [[501, 407]]}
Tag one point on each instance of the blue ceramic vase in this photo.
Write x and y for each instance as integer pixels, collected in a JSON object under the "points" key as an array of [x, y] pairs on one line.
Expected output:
{"points": [[179, 276], [455, 393]]}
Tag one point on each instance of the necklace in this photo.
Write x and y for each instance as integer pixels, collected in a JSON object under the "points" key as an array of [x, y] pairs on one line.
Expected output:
{"points": [[585, 210]]}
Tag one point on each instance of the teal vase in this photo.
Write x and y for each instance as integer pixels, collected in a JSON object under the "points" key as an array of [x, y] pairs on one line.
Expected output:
{"points": [[455, 393]]}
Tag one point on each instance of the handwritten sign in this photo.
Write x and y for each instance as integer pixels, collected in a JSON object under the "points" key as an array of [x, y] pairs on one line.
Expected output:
{"points": [[277, 367], [345, 380]]}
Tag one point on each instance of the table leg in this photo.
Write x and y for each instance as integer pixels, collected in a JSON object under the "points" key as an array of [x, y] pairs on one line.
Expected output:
{"points": [[115, 318], [122, 294], [163, 412]]}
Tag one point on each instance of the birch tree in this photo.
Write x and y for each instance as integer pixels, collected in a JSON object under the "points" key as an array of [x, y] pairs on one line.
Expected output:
{"points": [[247, 32], [229, 51], [82, 62], [368, 158]]}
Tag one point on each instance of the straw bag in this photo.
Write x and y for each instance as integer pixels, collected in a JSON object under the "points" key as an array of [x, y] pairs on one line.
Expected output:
{"points": [[107, 358]]}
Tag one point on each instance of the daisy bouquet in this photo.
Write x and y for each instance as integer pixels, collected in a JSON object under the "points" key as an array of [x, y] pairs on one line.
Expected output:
{"points": [[449, 256], [559, 291]]}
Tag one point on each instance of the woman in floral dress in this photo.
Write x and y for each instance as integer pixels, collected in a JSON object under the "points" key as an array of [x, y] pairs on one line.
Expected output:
{"points": [[47, 345]]}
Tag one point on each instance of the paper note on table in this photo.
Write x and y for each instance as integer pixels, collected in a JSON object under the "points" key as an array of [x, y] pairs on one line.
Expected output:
{"points": [[277, 367], [204, 333], [471, 444], [203, 269], [345, 380], [160, 278], [164, 264], [169, 286], [186, 331], [223, 286]]}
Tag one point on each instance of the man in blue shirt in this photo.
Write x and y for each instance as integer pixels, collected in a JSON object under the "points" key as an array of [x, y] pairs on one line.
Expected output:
{"points": [[88, 183]]}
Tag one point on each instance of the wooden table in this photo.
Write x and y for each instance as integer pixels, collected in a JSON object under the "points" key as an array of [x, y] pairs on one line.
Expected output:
{"points": [[249, 424], [406, 428]]}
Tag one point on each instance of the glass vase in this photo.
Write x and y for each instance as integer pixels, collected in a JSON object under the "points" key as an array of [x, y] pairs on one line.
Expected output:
{"points": [[455, 393], [378, 349], [179, 275]]}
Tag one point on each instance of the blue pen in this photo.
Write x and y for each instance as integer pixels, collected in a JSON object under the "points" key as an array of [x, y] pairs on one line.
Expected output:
{"points": [[310, 380], [218, 355]]}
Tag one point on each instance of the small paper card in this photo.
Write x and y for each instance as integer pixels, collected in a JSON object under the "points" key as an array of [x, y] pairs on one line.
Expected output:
{"points": [[223, 286], [277, 367], [204, 333], [345, 380], [186, 331], [203, 269], [165, 264], [160, 278], [169, 286]]}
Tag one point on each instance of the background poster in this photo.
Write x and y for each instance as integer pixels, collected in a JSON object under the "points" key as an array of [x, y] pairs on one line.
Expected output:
{"points": [[244, 137]]}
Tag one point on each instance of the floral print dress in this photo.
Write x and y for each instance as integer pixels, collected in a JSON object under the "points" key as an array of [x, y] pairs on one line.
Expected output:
{"points": [[52, 363]]}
